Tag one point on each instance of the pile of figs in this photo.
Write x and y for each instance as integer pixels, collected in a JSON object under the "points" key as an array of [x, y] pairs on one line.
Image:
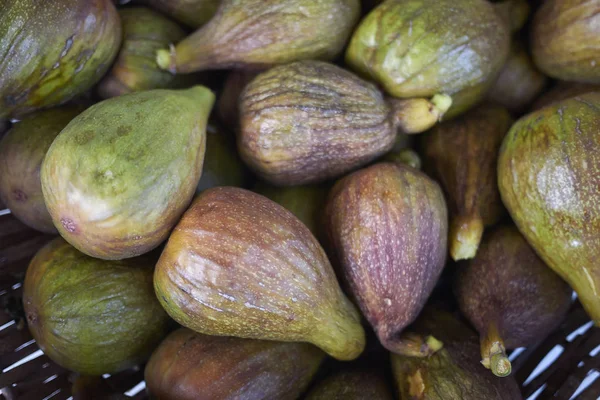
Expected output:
{"points": [[303, 199]]}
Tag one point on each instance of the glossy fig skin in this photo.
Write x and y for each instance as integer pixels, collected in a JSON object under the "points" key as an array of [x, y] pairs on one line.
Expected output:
{"points": [[352, 384], [420, 48], [193, 13], [255, 33], [22, 150], [111, 325], [563, 91], [462, 155], [388, 225], [119, 176], [564, 39], [549, 183], [310, 121], [190, 365], [53, 51], [239, 264]]}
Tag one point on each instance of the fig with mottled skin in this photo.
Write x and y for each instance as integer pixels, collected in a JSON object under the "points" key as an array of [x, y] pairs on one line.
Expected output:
{"points": [[352, 384], [462, 155], [227, 107], [510, 296], [549, 177], [562, 91], [255, 33], [22, 150], [239, 264], [92, 316], [193, 13], [119, 176], [388, 225], [192, 366], [53, 51]]}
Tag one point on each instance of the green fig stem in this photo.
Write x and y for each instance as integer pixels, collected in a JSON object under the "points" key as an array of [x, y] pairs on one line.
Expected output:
{"points": [[465, 236], [514, 13], [415, 345], [405, 156], [166, 59], [493, 353], [418, 115]]}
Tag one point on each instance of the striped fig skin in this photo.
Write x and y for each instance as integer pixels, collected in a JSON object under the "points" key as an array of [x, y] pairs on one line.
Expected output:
{"points": [[388, 225], [310, 121]]}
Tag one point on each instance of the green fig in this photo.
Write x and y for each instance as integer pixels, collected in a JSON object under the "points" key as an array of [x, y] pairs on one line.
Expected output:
{"points": [[119, 176], [239, 264], [54, 51], [388, 227], [417, 49], [510, 296], [144, 32], [548, 178], [22, 151], [310, 121], [405, 156], [564, 39], [92, 316], [193, 13], [562, 91], [228, 108], [192, 366], [352, 384], [454, 372], [462, 155], [250, 33]]}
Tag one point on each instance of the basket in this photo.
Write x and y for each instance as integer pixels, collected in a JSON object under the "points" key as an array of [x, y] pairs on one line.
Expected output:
{"points": [[40, 378]]}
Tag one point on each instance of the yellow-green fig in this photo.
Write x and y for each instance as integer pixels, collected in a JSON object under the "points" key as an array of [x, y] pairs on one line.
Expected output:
{"points": [[193, 13]]}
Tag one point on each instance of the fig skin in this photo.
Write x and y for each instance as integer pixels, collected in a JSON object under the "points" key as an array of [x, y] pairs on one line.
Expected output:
{"points": [[388, 225], [119, 176], [310, 121], [563, 91], [239, 264], [352, 384], [509, 295], [549, 183], [565, 42], [462, 155], [453, 55], [257, 33], [193, 13], [53, 51], [190, 365], [22, 150], [228, 108], [144, 32], [112, 324], [405, 156]]}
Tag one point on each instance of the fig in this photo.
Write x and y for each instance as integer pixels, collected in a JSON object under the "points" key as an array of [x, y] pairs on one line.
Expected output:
{"points": [[239, 264], [193, 13], [54, 51], [405, 156], [514, 12], [462, 155], [258, 33], [549, 183], [564, 39], [519, 81], [352, 384], [388, 227], [310, 121], [190, 365], [562, 91], [22, 150], [92, 316], [144, 32], [453, 372], [510, 296], [228, 108], [119, 176], [417, 49]]}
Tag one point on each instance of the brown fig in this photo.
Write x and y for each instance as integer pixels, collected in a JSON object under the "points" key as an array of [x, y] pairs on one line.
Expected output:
{"points": [[310, 121], [191, 366], [563, 91], [239, 264], [352, 384], [511, 297], [228, 108], [388, 226], [461, 154], [193, 13]]}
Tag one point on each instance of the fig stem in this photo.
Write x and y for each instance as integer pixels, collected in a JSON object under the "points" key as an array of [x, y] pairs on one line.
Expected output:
{"points": [[414, 345], [465, 236], [405, 156], [493, 353], [418, 115], [166, 59]]}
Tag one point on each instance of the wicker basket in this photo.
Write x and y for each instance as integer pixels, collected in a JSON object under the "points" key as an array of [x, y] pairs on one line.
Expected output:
{"points": [[40, 378]]}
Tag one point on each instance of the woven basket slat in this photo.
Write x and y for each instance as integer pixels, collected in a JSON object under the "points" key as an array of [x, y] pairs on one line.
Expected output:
{"points": [[36, 369], [13, 339], [13, 258], [592, 392], [9, 359], [41, 390], [125, 380], [576, 378]]}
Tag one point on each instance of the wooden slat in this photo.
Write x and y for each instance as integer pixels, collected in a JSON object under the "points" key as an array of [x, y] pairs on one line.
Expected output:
{"points": [[39, 368], [41, 390], [577, 377], [592, 392]]}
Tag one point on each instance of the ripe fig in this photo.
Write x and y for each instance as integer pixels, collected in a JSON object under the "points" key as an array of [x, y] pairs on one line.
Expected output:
{"points": [[239, 264], [388, 227], [548, 178], [417, 49], [22, 150], [119, 176], [192, 366], [310, 121], [511, 297], [565, 41], [144, 32], [462, 155], [228, 108], [562, 91], [255, 33], [352, 384], [405, 156], [53, 51], [193, 13], [92, 316]]}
